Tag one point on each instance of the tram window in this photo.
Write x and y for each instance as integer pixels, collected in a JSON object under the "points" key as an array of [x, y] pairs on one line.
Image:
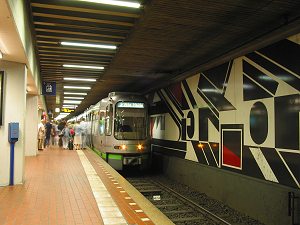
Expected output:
{"points": [[130, 121], [108, 119], [101, 123]]}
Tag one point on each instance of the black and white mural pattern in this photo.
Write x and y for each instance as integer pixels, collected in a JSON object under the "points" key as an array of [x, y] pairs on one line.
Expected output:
{"points": [[241, 116]]}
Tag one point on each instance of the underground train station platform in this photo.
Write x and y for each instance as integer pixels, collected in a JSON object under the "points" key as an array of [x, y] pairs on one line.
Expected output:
{"points": [[74, 187]]}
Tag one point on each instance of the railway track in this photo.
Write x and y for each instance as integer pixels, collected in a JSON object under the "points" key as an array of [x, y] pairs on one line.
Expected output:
{"points": [[179, 209]]}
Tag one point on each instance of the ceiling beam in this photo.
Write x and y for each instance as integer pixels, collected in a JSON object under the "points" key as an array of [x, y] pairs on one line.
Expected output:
{"points": [[79, 27], [84, 10], [60, 62], [81, 19], [79, 33], [73, 53], [72, 60], [105, 59]]}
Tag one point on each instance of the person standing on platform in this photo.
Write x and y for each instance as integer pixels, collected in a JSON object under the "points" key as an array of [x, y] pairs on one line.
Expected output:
{"points": [[83, 125], [41, 135], [65, 133], [77, 138], [53, 134], [61, 126], [48, 127]]}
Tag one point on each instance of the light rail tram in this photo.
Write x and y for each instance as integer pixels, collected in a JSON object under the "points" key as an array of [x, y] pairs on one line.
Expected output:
{"points": [[117, 128]]}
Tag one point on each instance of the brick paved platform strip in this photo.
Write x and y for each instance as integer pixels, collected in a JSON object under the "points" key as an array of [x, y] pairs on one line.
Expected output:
{"points": [[131, 210]]}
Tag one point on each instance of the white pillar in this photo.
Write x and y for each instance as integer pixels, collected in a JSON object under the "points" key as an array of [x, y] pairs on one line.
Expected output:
{"points": [[14, 110], [31, 124]]}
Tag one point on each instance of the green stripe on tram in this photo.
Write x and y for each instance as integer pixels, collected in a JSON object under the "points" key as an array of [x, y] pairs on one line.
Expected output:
{"points": [[114, 156], [103, 154]]}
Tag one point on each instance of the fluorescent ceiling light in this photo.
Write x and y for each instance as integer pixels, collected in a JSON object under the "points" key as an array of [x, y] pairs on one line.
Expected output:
{"points": [[64, 113], [73, 97], [79, 79], [71, 102], [74, 93], [83, 67], [115, 2], [77, 87], [88, 45]]}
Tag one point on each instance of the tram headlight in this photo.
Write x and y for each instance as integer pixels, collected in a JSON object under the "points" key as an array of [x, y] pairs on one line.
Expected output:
{"points": [[140, 147], [123, 147]]}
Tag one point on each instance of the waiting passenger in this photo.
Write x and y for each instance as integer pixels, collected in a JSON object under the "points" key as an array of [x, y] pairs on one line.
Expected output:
{"points": [[77, 138], [54, 135], [41, 135], [61, 126], [83, 125], [48, 127], [65, 136]]}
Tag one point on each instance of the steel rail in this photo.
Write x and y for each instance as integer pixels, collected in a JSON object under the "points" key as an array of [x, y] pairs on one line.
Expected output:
{"points": [[202, 210]]}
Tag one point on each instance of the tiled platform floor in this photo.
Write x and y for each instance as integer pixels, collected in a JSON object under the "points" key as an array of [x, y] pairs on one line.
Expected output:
{"points": [[57, 191]]}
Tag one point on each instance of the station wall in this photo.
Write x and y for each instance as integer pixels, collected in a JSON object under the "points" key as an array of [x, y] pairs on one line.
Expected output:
{"points": [[242, 116]]}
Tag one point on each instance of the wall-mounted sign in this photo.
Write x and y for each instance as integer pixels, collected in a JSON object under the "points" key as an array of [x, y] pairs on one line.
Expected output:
{"points": [[67, 110], [137, 105], [49, 88]]}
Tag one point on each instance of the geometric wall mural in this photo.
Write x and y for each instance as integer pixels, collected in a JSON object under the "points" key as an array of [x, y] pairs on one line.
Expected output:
{"points": [[241, 116]]}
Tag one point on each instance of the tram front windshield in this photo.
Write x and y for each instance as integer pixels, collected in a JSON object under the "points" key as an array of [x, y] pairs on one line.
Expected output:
{"points": [[130, 121]]}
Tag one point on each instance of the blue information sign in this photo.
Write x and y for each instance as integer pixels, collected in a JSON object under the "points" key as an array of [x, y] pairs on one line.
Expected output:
{"points": [[49, 88]]}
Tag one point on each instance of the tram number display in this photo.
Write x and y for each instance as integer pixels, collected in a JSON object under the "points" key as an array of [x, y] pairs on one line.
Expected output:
{"points": [[137, 105]]}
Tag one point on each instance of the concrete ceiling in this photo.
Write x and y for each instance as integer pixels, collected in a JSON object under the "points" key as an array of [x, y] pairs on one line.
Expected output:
{"points": [[162, 42], [11, 45]]}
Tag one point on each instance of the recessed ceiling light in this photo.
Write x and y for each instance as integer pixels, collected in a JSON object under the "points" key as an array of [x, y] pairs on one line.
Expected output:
{"points": [[73, 97], [79, 79], [71, 102], [77, 44], [115, 2], [77, 87], [74, 93], [83, 67]]}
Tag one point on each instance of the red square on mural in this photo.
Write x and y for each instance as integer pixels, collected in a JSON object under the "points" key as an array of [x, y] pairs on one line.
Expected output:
{"points": [[232, 148]]}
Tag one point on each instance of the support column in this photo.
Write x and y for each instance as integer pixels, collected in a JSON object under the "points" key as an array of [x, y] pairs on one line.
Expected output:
{"points": [[31, 124], [14, 110]]}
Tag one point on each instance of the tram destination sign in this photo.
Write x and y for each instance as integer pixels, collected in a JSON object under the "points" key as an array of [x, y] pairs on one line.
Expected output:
{"points": [[137, 105]]}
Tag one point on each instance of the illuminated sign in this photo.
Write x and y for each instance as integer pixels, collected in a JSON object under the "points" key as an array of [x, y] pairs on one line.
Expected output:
{"points": [[49, 88], [137, 105], [67, 110]]}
